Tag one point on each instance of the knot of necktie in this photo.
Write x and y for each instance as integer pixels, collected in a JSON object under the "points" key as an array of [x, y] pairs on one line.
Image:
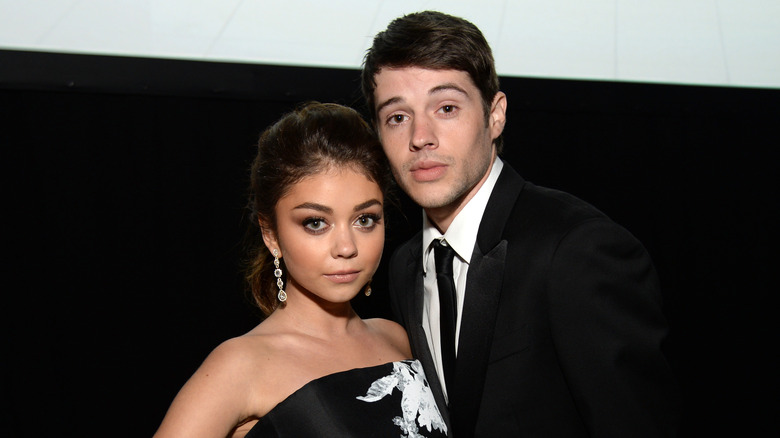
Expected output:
{"points": [[443, 255]]}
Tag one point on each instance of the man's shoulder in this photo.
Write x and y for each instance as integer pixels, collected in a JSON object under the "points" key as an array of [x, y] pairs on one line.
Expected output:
{"points": [[542, 202], [556, 202], [539, 209]]}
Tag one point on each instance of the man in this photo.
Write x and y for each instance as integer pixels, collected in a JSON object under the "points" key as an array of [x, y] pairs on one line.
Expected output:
{"points": [[555, 324]]}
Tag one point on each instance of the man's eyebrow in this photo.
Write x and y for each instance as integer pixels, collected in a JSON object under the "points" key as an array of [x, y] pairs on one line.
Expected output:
{"points": [[388, 102], [434, 90], [314, 206], [446, 87], [369, 203]]}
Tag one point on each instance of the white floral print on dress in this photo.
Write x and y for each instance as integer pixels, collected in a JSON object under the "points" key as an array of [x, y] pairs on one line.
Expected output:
{"points": [[417, 403]]}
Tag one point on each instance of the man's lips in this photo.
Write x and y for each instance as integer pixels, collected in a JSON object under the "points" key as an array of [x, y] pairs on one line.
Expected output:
{"points": [[343, 276], [427, 170]]}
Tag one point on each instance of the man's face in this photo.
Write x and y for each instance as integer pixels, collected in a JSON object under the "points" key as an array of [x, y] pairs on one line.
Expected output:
{"points": [[433, 130]]}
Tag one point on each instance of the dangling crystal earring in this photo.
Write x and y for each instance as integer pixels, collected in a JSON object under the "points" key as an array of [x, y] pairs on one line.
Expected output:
{"points": [[282, 295], [368, 289]]}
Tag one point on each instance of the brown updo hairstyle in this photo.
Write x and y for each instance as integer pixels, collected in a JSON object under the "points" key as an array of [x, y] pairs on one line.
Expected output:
{"points": [[312, 139]]}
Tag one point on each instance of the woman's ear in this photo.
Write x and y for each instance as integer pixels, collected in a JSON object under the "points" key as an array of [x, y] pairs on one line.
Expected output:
{"points": [[269, 238]]}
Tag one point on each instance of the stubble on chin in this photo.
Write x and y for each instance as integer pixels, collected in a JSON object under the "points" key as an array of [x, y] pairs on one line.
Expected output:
{"points": [[434, 195], [450, 193], [422, 193]]}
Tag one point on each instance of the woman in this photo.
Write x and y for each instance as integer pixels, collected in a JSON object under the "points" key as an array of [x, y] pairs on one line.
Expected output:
{"points": [[312, 367]]}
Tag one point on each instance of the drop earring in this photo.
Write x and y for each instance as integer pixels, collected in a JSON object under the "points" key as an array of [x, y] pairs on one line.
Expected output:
{"points": [[282, 295], [367, 292]]}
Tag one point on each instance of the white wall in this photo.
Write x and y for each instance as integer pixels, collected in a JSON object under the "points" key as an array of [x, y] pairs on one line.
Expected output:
{"points": [[712, 42]]}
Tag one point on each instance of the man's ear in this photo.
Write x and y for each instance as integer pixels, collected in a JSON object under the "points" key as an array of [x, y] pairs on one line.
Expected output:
{"points": [[269, 238], [497, 118]]}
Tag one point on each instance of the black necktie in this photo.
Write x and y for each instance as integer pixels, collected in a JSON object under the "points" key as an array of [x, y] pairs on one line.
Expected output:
{"points": [[444, 254]]}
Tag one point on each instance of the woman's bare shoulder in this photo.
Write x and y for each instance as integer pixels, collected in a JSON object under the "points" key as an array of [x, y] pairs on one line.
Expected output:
{"points": [[385, 325], [235, 364], [392, 332], [222, 392], [242, 350]]}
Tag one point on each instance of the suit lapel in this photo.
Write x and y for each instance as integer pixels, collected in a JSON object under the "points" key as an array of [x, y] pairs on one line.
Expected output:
{"points": [[480, 308]]}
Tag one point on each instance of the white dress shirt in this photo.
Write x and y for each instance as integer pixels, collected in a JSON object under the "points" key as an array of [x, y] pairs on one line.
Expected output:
{"points": [[461, 236]]}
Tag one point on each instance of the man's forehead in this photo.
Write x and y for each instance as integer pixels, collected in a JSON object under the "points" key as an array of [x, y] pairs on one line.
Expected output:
{"points": [[411, 73]]}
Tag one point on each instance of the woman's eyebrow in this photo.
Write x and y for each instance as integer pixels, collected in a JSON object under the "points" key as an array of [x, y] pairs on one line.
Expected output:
{"points": [[367, 204], [314, 206]]}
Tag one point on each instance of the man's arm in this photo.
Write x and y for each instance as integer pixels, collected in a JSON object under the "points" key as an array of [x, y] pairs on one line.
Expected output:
{"points": [[607, 327]]}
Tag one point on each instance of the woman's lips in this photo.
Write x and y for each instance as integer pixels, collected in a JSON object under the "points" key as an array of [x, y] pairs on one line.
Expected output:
{"points": [[343, 277]]}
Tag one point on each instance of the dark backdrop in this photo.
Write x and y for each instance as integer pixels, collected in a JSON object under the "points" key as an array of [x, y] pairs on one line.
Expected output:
{"points": [[124, 184]]}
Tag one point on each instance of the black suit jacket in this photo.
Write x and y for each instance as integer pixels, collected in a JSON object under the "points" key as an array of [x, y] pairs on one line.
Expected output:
{"points": [[561, 327]]}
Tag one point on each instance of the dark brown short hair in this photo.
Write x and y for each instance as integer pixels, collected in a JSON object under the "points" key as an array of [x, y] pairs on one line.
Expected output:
{"points": [[313, 138], [431, 40]]}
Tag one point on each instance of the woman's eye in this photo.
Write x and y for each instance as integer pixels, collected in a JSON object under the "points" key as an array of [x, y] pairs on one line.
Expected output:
{"points": [[367, 221], [314, 224]]}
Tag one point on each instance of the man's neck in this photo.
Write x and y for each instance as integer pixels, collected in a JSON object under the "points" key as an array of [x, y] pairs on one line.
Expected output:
{"points": [[442, 217]]}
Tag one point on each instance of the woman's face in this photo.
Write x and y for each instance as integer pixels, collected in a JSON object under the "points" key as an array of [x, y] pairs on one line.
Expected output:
{"points": [[330, 233]]}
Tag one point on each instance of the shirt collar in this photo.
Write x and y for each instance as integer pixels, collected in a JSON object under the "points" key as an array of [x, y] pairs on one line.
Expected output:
{"points": [[462, 232]]}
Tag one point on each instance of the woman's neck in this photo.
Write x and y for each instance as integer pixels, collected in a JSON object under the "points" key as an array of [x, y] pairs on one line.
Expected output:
{"points": [[328, 321]]}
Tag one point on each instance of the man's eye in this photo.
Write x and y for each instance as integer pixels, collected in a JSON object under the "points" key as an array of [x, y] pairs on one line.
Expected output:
{"points": [[396, 119]]}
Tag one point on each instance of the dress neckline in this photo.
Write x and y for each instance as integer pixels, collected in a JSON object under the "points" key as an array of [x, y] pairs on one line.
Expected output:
{"points": [[335, 375]]}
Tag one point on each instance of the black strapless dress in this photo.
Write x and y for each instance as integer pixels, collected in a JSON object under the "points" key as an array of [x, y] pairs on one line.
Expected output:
{"points": [[390, 400]]}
